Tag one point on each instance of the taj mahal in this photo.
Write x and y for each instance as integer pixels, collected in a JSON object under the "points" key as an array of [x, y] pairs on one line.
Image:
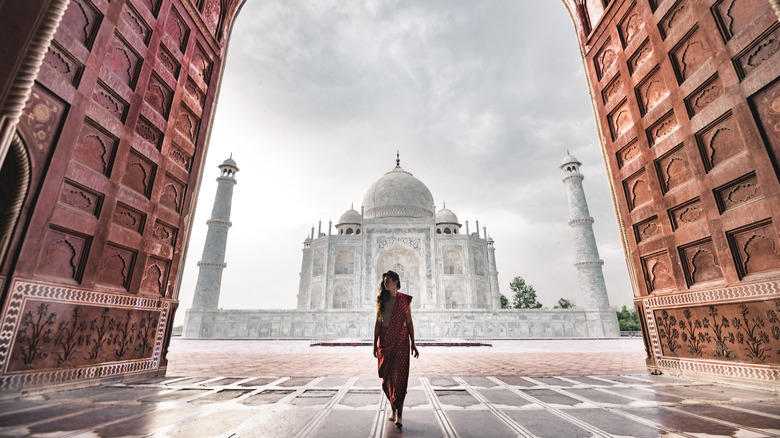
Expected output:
{"points": [[399, 229], [449, 270]]}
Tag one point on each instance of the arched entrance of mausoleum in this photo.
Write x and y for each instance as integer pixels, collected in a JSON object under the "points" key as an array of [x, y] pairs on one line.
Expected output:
{"points": [[403, 260]]}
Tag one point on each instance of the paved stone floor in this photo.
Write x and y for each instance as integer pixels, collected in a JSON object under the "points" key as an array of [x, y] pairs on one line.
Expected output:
{"points": [[323, 392]]}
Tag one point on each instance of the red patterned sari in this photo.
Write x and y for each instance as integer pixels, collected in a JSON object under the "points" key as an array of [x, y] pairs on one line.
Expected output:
{"points": [[393, 355]]}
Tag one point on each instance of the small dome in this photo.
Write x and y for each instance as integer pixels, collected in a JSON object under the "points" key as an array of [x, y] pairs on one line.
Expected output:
{"points": [[446, 216], [350, 217], [570, 159], [229, 162], [398, 194]]}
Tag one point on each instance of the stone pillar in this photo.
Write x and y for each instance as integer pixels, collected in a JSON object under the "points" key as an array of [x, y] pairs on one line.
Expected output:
{"points": [[213, 261], [587, 261], [495, 293]]}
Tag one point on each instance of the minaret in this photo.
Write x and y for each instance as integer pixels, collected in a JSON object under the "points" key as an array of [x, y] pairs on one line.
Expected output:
{"points": [[494, 289], [587, 261], [213, 261]]}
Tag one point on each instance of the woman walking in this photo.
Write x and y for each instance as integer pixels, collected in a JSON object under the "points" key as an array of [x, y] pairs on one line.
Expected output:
{"points": [[393, 332]]}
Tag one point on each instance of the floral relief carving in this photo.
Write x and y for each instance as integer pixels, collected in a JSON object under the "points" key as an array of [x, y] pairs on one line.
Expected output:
{"points": [[738, 332]]}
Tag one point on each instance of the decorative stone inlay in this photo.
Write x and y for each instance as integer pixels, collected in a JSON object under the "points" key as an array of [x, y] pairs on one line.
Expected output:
{"points": [[136, 345]]}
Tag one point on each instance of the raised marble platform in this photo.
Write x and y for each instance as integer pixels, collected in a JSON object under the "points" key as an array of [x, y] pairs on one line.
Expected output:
{"points": [[430, 325]]}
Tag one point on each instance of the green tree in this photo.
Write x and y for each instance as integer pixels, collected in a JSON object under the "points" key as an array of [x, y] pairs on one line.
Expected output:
{"points": [[563, 303], [524, 295], [504, 302], [628, 320]]}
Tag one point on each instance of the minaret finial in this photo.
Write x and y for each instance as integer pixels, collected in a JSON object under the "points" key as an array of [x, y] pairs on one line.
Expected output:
{"points": [[352, 206], [567, 152], [231, 155], [445, 204], [397, 158]]}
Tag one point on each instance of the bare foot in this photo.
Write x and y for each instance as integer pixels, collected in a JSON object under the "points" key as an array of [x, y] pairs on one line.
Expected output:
{"points": [[398, 423], [392, 417]]}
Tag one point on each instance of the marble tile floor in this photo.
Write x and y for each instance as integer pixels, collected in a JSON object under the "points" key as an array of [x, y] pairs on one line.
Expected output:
{"points": [[610, 405]]}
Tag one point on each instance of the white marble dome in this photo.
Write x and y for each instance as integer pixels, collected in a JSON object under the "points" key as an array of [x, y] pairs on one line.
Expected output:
{"points": [[398, 194], [570, 159], [350, 217], [446, 216]]}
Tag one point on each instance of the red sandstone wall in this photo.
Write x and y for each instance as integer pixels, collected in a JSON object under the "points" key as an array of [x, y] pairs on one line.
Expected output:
{"points": [[116, 128], [687, 99]]}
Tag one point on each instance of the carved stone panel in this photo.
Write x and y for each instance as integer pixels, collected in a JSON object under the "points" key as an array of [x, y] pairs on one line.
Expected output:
{"points": [[732, 332], [64, 63], [687, 213], [720, 141], [766, 46], [56, 335], [661, 129], [738, 192], [187, 124], [620, 120], [139, 174], [80, 198], [95, 148], [755, 248], [128, 217], [690, 54], [673, 18], [673, 169], [159, 96], [642, 55], [766, 107], [612, 89], [116, 268], [63, 255], [168, 62], [82, 19], [202, 64], [647, 229], [651, 91], [152, 5], [630, 26], [212, 12], [177, 29], [164, 233], [43, 114], [195, 92], [146, 130], [637, 190], [700, 262], [658, 272], [110, 101], [628, 153], [605, 58], [136, 24], [704, 95], [155, 276], [734, 16], [172, 193], [180, 157], [123, 61]]}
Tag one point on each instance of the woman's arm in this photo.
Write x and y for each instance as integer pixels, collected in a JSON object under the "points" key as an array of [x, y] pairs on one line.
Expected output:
{"points": [[377, 328], [410, 326]]}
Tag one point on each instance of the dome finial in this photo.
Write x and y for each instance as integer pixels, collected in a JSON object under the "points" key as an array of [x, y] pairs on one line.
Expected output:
{"points": [[352, 206], [445, 204], [397, 158]]}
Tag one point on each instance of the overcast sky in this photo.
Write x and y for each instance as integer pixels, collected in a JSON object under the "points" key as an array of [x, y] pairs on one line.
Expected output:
{"points": [[482, 98]]}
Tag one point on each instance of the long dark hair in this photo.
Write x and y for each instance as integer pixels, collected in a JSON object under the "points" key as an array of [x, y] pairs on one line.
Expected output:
{"points": [[384, 294]]}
